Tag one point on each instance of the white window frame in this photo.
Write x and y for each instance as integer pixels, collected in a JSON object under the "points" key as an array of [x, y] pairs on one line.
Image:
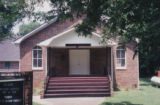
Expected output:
{"points": [[36, 68], [124, 67]]}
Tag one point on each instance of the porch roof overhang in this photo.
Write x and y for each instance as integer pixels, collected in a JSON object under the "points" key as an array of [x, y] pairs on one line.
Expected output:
{"points": [[71, 37]]}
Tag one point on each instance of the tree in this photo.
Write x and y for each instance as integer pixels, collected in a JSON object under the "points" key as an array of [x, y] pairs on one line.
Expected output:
{"points": [[26, 28], [129, 19], [12, 11]]}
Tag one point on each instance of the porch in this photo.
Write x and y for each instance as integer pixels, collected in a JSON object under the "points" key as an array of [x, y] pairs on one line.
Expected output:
{"points": [[78, 72], [79, 62]]}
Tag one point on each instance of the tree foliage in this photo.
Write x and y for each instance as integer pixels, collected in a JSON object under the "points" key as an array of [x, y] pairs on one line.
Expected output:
{"points": [[12, 11], [26, 28], [129, 19]]}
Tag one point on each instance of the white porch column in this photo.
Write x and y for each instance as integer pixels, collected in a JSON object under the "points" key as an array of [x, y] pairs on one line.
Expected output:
{"points": [[46, 61], [112, 70]]}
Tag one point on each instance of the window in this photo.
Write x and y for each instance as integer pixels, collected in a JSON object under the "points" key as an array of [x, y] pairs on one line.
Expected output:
{"points": [[7, 65], [37, 57], [120, 55]]}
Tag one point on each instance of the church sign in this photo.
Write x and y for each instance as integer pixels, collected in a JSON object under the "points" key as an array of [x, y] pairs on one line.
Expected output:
{"points": [[16, 88]]}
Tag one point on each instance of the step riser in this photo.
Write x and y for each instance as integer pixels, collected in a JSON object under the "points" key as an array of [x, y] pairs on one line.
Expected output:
{"points": [[78, 77], [100, 95], [76, 92], [52, 88], [77, 96], [78, 85], [68, 81]]}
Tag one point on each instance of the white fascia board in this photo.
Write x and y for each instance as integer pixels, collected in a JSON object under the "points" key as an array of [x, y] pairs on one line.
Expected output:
{"points": [[109, 42], [93, 33], [18, 41]]}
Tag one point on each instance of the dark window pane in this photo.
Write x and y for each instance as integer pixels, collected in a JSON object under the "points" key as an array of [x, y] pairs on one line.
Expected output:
{"points": [[118, 53], [35, 63], [122, 62], [39, 53], [39, 62], [7, 65], [122, 53], [34, 53]]}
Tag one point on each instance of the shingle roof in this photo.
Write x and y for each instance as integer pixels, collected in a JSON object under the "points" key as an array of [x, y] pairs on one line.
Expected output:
{"points": [[19, 40], [9, 51]]}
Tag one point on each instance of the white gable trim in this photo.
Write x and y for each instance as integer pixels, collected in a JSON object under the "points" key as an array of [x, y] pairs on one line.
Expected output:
{"points": [[97, 37], [18, 41]]}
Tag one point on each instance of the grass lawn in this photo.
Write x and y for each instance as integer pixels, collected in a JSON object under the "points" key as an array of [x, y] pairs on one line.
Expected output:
{"points": [[146, 95]]}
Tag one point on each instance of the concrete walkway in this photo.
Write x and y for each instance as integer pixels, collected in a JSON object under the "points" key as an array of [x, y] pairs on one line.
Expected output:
{"points": [[69, 101]]}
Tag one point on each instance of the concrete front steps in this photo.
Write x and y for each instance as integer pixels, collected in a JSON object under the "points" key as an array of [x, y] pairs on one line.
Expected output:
{"points": [[77, 87]]}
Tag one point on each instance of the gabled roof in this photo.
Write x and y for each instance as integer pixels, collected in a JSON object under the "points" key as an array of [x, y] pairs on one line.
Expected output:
{"points": [[9, 51], [18, 41], [48, 41]]}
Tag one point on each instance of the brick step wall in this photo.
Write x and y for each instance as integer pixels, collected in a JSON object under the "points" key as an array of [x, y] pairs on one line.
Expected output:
{"points": [[77, 87]]}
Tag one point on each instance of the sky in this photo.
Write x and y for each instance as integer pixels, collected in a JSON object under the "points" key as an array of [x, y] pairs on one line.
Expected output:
{"points": [[41, 7]]}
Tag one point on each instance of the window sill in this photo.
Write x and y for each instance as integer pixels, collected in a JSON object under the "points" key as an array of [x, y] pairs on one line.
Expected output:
{"points": [[121, 68], [38, 69]]}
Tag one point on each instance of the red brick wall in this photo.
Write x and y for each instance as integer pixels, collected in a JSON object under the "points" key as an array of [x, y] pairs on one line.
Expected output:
{"points": [[129, 77], [98, 61], [27, 45], [59, 62], [14, 65]]}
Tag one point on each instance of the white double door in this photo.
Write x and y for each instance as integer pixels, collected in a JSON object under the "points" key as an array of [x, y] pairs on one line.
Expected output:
{"points": [[79, 62]]}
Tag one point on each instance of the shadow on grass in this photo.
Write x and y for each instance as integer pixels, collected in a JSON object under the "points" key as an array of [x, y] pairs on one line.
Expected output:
{"points": [[120, 103], [145, 82]]}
